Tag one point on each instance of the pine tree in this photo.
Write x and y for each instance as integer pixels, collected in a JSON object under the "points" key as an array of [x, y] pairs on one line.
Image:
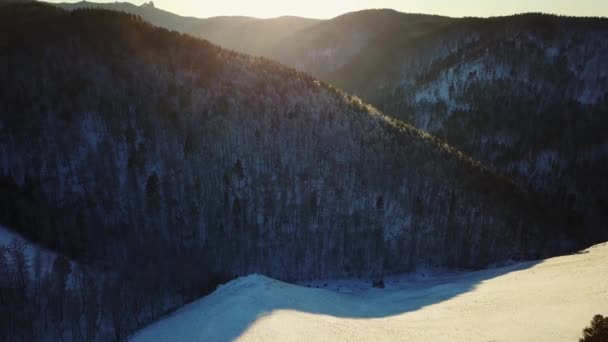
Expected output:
{"points": [[597, 331]]}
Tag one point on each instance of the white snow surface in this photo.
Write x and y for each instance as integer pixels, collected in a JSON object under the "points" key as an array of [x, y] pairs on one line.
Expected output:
{"points": [[547, 300]]}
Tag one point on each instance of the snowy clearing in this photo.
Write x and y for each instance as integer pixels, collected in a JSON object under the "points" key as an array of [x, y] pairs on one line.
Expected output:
{"points": [[549, 300]]}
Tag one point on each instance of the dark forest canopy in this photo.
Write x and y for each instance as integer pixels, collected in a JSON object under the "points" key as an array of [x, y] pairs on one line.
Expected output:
{"points": [[168, 163], [526, 95], [182, 139]]}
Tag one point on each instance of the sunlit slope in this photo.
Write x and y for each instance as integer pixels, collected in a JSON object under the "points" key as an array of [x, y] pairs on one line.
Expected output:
{"points": [[550, 300]]}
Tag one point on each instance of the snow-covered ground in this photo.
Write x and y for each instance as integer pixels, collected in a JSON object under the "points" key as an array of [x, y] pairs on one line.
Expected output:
{"points": [[549, 300]]}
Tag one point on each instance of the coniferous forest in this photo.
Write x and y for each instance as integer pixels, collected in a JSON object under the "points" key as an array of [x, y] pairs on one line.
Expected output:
{"points": [[152, 165]]}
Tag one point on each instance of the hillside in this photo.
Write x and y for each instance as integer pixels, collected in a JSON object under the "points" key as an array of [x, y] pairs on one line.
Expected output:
{"points": [[172, 165], [333, 45], [525, 95], [549, 300], [201, 145]]}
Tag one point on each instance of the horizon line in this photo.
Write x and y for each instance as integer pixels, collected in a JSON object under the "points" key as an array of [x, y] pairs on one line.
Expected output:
{"points": [[324, 18]]}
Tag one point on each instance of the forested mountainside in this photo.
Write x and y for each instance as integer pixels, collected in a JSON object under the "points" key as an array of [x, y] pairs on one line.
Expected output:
{"points": [[125, 142], [165, 163], [526, 95]]}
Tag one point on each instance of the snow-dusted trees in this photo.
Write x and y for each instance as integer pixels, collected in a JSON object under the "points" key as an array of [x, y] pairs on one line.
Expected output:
{"points": [[259, 167], [180, 164], [64, 301], [525, 95], [16, 316]]}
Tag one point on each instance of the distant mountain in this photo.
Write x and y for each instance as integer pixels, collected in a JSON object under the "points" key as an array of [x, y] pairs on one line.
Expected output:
{"points": [[244, 34], [147, 11], [333, 44]]}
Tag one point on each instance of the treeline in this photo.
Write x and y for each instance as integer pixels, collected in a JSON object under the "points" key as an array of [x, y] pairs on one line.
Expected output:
{"points": [[61, 303], [62, 300]]}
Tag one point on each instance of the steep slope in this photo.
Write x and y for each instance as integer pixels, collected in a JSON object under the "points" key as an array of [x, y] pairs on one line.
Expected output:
{"points": [[549, 301], [525, 95], [117, 136]]}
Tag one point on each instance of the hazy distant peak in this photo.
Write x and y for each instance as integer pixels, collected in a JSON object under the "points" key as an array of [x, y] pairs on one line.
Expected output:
{"points": [[6, 2]]}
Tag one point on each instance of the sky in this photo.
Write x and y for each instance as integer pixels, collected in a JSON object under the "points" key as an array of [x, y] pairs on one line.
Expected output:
{"points": [[324, 9]]}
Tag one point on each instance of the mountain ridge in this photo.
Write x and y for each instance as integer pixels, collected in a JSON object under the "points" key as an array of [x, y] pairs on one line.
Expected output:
{"points": [[179, 107], [473, 83]]}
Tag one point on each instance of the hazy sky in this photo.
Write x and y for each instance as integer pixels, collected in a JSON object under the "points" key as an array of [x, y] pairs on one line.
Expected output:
{"points": [[332, 8]]}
